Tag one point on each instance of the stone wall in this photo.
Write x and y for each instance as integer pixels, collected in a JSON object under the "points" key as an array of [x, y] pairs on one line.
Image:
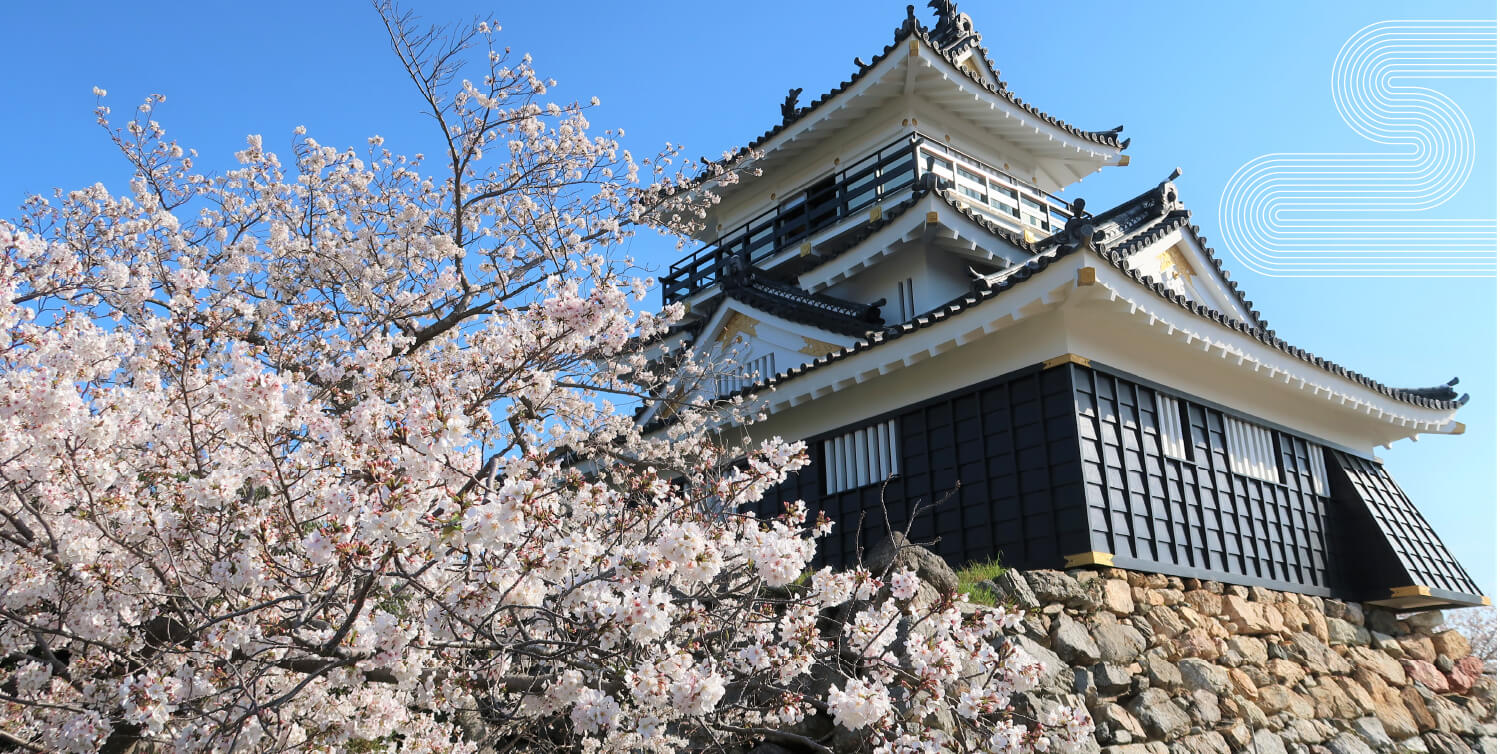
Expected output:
{"points": [[1182, 666]]}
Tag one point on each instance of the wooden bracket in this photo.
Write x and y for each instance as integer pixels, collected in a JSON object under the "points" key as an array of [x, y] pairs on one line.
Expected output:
{"points": [[1090, 558], [1067, 358], [1411, 591]]}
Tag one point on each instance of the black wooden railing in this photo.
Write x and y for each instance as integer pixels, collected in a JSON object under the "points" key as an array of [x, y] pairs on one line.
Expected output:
{"points": [[824, 203], [874, 179]]}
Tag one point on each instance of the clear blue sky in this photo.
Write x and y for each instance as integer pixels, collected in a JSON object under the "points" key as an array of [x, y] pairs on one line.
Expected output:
{"points": [[1204, 86]]}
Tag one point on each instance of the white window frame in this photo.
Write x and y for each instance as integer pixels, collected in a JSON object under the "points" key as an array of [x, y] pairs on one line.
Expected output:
{"points": [[865, 456], [1319, 470], [1169, 427], [1251, 450]]}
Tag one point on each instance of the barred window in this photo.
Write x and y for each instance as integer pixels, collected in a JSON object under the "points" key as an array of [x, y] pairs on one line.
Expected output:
{"points": [[865, 456], [754, 370], [1319, 471], [1252, 450], [1169, 426]]}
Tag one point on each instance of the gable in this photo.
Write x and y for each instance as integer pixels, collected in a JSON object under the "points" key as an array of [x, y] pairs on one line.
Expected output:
{"points": [[1183, 266], [754, 345]]}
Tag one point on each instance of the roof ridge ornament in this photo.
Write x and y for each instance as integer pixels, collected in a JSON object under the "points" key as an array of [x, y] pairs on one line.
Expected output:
{"points": [[789, 109], [1080, 231], [1443, 392], [909, 25], [955, 30]]}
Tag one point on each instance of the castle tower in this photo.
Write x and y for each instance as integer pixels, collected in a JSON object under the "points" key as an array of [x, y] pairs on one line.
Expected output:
{"points": [[1014, 375]]}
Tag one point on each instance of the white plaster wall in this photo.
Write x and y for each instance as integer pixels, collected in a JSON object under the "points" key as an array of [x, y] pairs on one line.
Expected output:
{"points": [[1029, 342]]}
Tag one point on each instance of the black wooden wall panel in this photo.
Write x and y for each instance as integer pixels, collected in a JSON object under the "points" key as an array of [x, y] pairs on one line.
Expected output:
{"points": [[1041, 464], [1194, 515], [990, 470], [1420, 557]]}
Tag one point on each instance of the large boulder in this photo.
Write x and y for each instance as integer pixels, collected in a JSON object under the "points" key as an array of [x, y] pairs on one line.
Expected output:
{"points": [[1316, 655], [1111, 679], [1465, 674], [896, 551], [1451, 643], [1382, 620], [1383, 664], [1274, 699], [1349, 743], [1246, 649], [1425, 620], [1418, 648], [1055, 675], [1116, 597], [1426, 674], [1201, 674], [1341, 631], [1391, 711], [1240, 709], [1011, 587], [1266, 742], [1115, 719], [1058, 587], [1202, 743], [1373, 733], [1204, 708], [1073, 642], [1117, 642], [1417, 706], [1197, 642], [1205, 602], [1243, 684], [1440, 742], [1162, 672], [1159, 714], [1331, 701], [1248, 617]]}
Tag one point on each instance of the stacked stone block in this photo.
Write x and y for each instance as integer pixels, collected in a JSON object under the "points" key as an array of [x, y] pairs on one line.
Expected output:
{"points": [[1184, 666]]}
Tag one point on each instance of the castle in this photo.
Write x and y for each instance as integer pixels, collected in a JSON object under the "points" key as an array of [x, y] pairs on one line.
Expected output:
{"points": [[1013, 375]]}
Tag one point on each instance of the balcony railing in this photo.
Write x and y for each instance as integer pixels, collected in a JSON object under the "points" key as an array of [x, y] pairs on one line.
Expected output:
{"points": [[876, 178]]}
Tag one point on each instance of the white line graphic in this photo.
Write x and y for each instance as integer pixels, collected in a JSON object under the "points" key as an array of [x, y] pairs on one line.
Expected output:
{"points": [[1362, 214]]}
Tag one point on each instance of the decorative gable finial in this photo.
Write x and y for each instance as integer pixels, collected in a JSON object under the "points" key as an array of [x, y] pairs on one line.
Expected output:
{"points": [[954, 30], [1080, 230], [909, 25], [789, 107]]}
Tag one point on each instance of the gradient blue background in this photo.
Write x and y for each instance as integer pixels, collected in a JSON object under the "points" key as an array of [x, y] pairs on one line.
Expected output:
{"points": [[1203, 86]]}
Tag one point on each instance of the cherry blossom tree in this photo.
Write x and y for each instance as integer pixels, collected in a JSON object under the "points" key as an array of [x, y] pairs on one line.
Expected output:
{"points": [[336, 453]]}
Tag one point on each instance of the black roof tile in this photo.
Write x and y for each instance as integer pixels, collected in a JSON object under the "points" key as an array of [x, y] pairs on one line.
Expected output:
{"points": [[1170, 221], [911, 29]]}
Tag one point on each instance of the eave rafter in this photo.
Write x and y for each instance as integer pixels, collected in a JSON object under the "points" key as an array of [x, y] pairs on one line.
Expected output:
{"points": [[1261, 361]]}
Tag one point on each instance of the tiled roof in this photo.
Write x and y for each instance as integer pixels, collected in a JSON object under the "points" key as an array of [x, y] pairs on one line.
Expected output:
{"points": [[986, 289], [911, 29], [1441, 397], [813, 309]]}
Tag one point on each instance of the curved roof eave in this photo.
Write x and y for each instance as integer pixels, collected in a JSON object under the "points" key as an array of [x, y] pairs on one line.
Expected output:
{"points": [[917, 33], [1419, 397]]}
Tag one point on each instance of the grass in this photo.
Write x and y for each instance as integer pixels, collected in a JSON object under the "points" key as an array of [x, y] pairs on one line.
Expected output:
{"points": [[975, 572]]}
